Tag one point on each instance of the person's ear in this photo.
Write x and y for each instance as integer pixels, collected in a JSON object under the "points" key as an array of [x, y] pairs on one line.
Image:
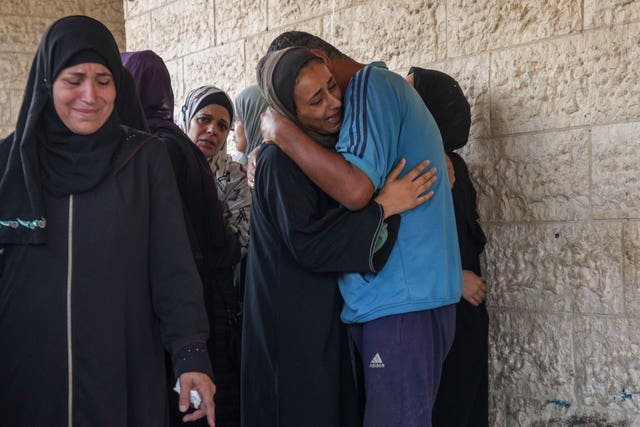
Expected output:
{"points": [[325, 58]]}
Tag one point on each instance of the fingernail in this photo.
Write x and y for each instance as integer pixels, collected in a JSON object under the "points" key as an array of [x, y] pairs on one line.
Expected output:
{"points": [[183, 408]]}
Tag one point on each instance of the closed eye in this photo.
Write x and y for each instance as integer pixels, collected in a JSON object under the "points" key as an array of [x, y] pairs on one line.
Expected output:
{"points": [[73, 82]]}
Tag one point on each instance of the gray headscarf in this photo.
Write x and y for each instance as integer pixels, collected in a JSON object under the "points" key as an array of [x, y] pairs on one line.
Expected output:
{"points": [[276, 74], [199, 98], [249, 105], [196, 100]]}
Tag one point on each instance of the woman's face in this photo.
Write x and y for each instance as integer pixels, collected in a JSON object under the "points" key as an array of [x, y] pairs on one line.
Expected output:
{"points": [[84, 96], [240, 137], [208, 129], [318, 99]]}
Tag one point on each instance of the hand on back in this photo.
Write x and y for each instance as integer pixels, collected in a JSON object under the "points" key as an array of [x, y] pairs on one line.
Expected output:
{"points": [[402, 194]]}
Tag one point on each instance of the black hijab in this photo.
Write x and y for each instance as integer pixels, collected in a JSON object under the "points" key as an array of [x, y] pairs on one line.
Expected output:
{"points": [[445, 100], [42, 152]]}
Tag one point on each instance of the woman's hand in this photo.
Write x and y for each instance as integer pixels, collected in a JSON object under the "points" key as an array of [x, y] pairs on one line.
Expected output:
{"points": [[450, 170], [206, 388], [474, 290], [400, 195]]}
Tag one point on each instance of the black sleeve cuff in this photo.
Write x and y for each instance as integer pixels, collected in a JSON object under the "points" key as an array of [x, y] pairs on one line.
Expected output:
{"points": [[192, 357]]}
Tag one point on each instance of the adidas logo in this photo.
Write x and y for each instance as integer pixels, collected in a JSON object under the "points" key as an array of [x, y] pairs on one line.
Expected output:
{"points": [[376, 362]]}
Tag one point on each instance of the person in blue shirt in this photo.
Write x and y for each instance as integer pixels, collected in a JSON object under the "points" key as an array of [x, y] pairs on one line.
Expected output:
{"points": [[402, 318]]}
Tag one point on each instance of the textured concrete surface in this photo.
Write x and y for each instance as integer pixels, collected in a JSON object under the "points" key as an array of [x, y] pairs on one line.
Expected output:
{"points": [[182, 27], [561, 267], [594, 82], [217, 66], [542, 176], [490, 24], [256, 45], [530, 354], [234, 20], [399, 33], [607, 363], [21, 34], [554, 89], [615, 178], [283, 13], [599, 13], [631, 267], [46, 8]]}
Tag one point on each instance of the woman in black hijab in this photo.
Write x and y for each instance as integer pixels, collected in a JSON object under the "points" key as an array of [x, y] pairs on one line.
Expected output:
{"points": [[98, 273], [464, 390]]}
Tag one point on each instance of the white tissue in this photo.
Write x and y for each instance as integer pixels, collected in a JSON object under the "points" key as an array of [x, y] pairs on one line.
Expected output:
{"points": [[196, 400]]}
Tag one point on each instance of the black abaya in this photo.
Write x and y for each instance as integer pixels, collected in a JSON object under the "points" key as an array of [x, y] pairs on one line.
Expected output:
{"points": [[296, 364], [463, 394]]}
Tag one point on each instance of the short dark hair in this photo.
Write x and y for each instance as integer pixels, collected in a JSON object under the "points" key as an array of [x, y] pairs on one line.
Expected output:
{"points": [[301, 38]]}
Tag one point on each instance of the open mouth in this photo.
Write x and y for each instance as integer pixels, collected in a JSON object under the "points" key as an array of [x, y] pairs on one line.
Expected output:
{"points": [[335, 119]]}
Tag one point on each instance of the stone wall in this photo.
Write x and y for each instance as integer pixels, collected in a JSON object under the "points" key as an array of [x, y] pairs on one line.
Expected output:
{"points": [[22, 23], [555, 94], [555, 143]]}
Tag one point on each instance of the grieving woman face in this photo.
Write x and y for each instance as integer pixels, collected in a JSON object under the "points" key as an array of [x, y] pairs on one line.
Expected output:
{"points": [[84, 96], [318, 99], [208, 129]]}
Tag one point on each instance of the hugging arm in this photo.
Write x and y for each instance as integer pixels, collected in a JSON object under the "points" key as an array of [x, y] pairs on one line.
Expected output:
{"points": [[337, 177], [319, 235], [341, 180]]}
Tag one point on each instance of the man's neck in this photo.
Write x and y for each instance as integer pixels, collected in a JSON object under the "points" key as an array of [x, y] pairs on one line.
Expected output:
{"points": [[343, 71]]}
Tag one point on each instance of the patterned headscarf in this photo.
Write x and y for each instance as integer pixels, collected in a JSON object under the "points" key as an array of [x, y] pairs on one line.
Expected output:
{"points": [[276, 74], [199, 98]]}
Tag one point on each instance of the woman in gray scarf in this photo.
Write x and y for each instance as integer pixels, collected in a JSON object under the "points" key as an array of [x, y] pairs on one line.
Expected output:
{"points": [[206, 116]]}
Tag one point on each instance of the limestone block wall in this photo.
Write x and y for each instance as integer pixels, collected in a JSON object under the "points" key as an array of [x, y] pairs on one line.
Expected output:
{"points": [[22, 23], [554, 153]]}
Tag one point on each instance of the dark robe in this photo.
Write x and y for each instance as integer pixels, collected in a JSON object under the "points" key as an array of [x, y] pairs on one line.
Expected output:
{"points": [[214, 251], [296, 364], [98, 272], [464, 390], [132, 285]]}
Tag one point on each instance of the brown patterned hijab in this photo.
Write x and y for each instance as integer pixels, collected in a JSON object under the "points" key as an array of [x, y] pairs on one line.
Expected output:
{"points": [[276, 74]]}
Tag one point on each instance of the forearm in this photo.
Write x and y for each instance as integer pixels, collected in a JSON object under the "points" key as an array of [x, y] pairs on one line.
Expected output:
{"points": [[327, 169]]}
